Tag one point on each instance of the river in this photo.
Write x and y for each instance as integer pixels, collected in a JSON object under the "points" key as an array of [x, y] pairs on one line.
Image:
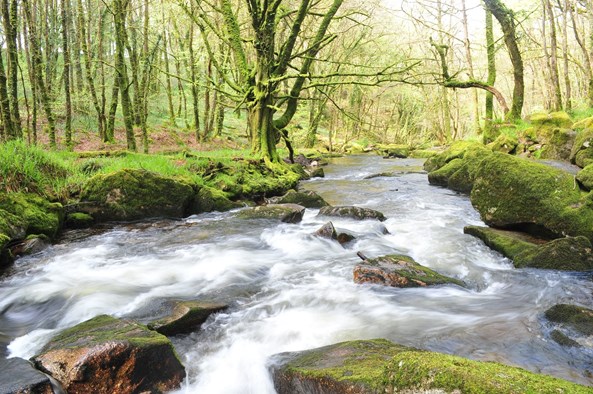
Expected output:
{"points": [[289, 290]]}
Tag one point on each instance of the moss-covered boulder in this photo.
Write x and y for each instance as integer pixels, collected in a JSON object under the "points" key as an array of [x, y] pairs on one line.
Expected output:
{"points": [[511, 192], [78, 220], [185, 317], [208, 199], [585, 178], [423, 153], [582, 124], [379, 366], [6, 257], [554, 119], [306, 198], [24, 213], [18, 376], [352, 212], [582, 149], [504, 143], [556, 143], [108, 355], [287, 213], [568, 253], [393, 151], [456, 151], [133, 194], [441, 176], [399, 271], [574, 317]]}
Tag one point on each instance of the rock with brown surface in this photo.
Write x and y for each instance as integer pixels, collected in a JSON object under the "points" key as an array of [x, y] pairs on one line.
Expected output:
{"points": [[106, 355], [185, 317], [399, 271]]}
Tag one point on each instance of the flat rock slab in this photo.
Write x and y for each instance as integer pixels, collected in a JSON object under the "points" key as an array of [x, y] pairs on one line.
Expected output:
{"points": [[379, 366], [287, 213], [18, 376], [399, 271], [185, 317], [352, 212], [105, 355]]}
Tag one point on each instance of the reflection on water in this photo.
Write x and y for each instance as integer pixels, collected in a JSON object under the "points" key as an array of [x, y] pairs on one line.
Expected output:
{"points": [[289, 290]]}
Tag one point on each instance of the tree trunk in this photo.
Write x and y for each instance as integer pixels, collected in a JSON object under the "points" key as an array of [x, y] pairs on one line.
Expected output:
{"points": [[194, 83], [66, 54], [8, 129], [10, 23], [506, 19], [553, 55], [489, 133], [123, 81]]}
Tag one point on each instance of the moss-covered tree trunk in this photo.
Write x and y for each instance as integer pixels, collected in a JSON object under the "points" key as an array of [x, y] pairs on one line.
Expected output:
{"points": [[10, 24], [552, 56], [7, 129], [194, 82], [506, 19], [66, 54], [489, 133], [123, 81]]}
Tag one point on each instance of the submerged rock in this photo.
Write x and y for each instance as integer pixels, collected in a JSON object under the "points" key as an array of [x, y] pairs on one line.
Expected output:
{"points": [[510, 192], [111, 356], [287, 213], [577, 318], [307, 198], [379, 366], [352, 212], [185, 317], [399, 271], [568, 253], [132, 194], [18, 376]]}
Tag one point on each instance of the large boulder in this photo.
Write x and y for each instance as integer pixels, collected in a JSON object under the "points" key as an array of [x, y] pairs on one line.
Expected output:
{"points": [[185, 317], [306, 198], [456, 151], [18, 376], [516, 193], [287, 213], [568, 253], [133, 194], [352, 212], [504, 143], [111, 356], [379, 366], [25, 213], [553, 119], [208, 199], [399, 271], [582, 150]]}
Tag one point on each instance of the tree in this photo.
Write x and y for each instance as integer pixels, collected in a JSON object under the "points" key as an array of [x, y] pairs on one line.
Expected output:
{"points": [[506, 19]]}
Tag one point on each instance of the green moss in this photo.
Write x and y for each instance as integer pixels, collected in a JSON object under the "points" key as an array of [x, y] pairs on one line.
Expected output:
{"points": [[575, 317], [79, 220], [582, 124], [563, 340], [103, 329], [557, 119], [582, 150], [423, 153], [393, 151], [507, 243], [570, 254], [136, 194], [377, 366], [34, 213], [441, 176], [510, 192], [504, 143], [585, 177], [15, 227], [307, 199], [209, 199], [456, 151]]}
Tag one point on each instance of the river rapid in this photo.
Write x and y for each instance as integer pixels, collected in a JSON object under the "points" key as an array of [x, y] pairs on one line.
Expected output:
{"points": [[289, 290]]}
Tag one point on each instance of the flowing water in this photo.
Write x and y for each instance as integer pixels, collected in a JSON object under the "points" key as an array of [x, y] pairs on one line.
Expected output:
{"points": [[289, 290]]}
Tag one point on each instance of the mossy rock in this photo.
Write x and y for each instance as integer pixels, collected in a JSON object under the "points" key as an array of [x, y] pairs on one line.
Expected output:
{"points": [[563, 340], [423, 153], [582, 124], [582, 149], [379, 366], [208, 199], [511, 192], [34, 213], [108, 355], [352, 212], [307, 198], [504, 143], [585, 177], [287, 213], [133, 194], [577, 318], [399, 271], [185, 317], [456, 151], [441, 176], [569, 253], [79, 220], [394, 151], [556, 143], [6, 257], [554, 119]]}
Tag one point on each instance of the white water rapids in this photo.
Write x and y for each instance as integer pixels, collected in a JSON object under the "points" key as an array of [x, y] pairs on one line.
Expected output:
{"points": [[289, 290]]}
